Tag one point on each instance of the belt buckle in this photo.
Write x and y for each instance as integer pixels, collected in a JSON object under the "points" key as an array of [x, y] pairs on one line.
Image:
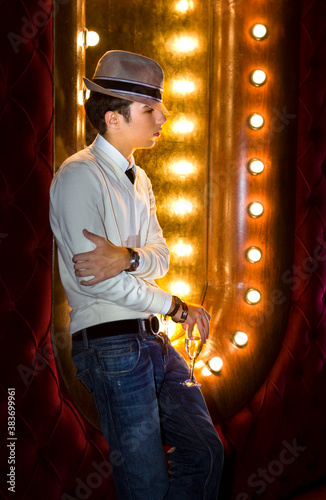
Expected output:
{"points": [[154, 325]]}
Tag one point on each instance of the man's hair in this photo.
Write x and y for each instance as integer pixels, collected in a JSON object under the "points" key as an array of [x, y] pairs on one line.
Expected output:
{"points": [[98, 104]]}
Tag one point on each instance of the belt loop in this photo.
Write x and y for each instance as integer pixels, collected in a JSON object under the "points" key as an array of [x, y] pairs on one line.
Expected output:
{"points": [[142, 327], [85, 338]]}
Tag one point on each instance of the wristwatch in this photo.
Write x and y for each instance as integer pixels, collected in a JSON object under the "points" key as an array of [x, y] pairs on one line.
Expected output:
{"points": [[134, 260]]}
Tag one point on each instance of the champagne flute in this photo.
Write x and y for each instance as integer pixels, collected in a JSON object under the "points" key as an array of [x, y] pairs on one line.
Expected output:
{"points": [[193, 349]]}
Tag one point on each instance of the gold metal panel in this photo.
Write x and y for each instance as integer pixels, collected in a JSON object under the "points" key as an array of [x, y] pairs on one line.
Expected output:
{"points": [[219, 146], [69, 67]]}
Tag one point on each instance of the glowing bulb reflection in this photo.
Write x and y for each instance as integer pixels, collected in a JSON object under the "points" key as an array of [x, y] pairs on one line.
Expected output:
{"points": [[252, 296], [256, 166], [254, 254], [185, 44], [87, 38], [183, 168], [206, 372], [183, 127], [80, 98], [180, 288], [83, 95], [183, 86], [183, 250], [184, 5], [182, 207], [81, 39]]}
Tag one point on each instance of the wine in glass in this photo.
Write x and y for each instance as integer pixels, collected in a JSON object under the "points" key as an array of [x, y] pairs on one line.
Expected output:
{"points": [[193, 349]]}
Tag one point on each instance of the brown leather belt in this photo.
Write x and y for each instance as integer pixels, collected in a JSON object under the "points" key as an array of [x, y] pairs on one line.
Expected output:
{"points": [[124, 327]]}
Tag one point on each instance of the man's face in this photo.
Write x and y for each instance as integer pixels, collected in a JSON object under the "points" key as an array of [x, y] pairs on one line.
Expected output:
{"points": [[144, 127]]}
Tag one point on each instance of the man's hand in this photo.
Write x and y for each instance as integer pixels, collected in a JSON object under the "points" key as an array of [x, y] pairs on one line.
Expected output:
{"points": [[197, 316], [104, 262]]}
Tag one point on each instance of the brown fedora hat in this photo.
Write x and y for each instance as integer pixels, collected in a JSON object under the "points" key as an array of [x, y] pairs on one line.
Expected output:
{"points": [[129, 76]]}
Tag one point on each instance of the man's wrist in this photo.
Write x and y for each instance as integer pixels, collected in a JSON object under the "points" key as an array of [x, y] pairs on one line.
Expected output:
{"points": [[178, 311], [134, 260]]}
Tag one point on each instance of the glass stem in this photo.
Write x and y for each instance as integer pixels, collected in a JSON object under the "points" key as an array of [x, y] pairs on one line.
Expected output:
{"points": [[192, 366]]}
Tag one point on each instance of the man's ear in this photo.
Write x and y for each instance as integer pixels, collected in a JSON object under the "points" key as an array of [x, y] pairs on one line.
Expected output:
{"points": [[112, 119]]}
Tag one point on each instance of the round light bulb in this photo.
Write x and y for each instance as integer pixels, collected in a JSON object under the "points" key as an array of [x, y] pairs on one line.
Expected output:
{"points": [[256, 121], [255, 209], [215, 364], [254, 254], [92, 38], [256, 166], [258, 77], [252, 296], [258, 31], [240, 339]]}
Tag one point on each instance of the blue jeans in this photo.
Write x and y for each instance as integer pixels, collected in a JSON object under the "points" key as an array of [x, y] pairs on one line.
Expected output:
{"points": [[135, 380]]}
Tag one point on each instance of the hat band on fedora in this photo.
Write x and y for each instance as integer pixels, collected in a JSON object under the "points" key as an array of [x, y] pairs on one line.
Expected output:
{"points": [[129, 88]]}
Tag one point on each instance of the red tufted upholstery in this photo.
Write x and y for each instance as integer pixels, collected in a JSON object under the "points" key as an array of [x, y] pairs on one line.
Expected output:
{"points": [[56, 452], [58, 455], [290, 407]]}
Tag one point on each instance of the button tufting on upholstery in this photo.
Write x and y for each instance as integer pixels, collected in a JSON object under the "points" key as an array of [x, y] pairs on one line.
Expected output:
{"points": [[324, 299], [323, 165], [313, 335]]}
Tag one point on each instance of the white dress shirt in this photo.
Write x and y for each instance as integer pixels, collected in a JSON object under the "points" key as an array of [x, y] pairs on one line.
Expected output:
{"points": [[91, 191]]}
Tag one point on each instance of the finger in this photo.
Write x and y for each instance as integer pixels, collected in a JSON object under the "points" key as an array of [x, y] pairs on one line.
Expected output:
{"points": [[190, 331], [206, 324], [90, 236], [83, 273], [91, 282], [94, 238], [81, 256], [82, 265], [203, 329]]}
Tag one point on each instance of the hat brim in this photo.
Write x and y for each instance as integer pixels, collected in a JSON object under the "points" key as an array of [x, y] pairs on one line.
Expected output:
{"points": [[153, 103]]}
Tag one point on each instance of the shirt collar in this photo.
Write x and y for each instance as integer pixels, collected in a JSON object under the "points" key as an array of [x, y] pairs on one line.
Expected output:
{"points": [[113, 153]]}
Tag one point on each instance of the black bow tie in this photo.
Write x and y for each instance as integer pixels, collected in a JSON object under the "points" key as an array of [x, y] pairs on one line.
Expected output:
{"points": [[130, 174]]}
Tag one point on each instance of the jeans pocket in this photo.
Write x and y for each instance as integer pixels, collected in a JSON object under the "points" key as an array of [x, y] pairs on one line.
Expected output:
{"points": [[83, 374], [86, 379], [119, 357]]}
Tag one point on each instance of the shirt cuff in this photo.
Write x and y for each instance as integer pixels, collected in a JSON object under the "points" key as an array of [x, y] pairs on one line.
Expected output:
{"points": [[167, 305]]}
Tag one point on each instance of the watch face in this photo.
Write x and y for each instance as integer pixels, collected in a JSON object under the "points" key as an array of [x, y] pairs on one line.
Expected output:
{"points": [[134, 260]]}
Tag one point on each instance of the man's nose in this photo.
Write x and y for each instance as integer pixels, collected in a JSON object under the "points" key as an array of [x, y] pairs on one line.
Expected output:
{"points": [[161, 118]]}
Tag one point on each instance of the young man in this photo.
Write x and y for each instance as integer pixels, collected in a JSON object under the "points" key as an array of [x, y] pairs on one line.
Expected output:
{"points": [[133, 371]]}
